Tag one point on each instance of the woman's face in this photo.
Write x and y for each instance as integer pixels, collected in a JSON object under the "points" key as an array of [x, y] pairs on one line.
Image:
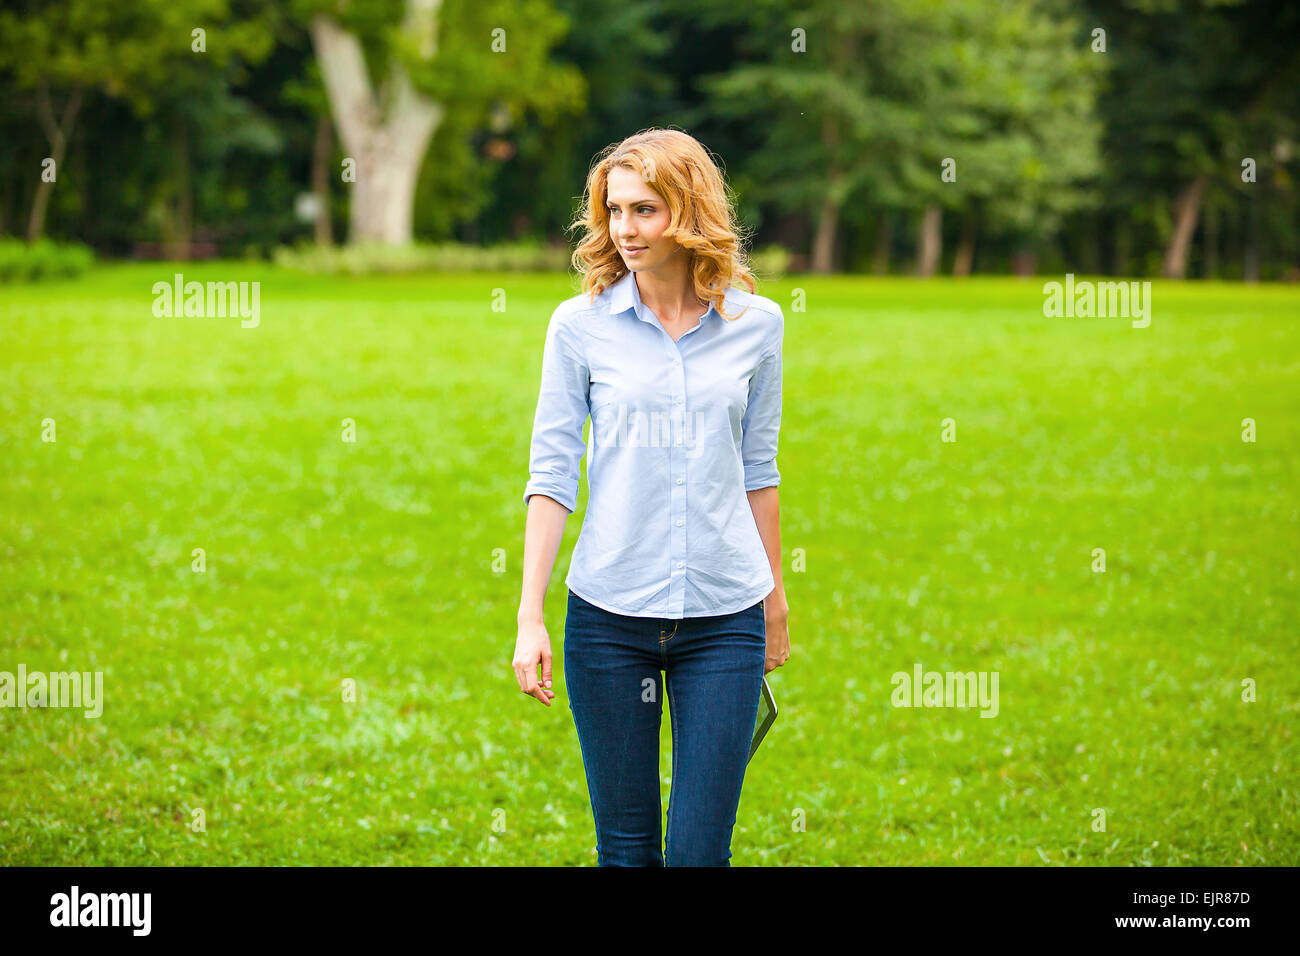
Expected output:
{"points": [[637, 218]]}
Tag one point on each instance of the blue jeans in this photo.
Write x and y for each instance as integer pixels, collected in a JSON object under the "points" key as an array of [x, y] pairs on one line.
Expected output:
{"points": [[713, 679]]}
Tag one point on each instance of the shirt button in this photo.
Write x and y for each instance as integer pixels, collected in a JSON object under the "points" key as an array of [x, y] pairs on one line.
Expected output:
{"points": [[679, 441], [679, 481], [681, 564], [679, 522], [677, 361]]}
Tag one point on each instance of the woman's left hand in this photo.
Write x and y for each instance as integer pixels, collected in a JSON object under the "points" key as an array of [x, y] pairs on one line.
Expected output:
{"points": [[776, 617]]}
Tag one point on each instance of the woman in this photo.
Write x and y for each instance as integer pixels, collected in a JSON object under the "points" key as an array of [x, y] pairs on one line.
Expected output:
{"points": [[678, 564]]}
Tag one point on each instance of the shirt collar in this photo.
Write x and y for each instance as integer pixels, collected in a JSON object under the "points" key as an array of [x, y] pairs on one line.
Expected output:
{"points": [[624, 294]]}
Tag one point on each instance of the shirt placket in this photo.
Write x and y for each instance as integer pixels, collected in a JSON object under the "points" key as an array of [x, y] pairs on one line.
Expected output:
{"points": [[676, 464], [677, 488]]}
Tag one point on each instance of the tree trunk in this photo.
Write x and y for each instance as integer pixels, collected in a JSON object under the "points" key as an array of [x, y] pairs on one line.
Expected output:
{"points": [[823, 259], [1024, 262], [1250, 273], [1123, 246], [321, 155], [58, 133], [828, 221], [1186, 207], [1210, 238], [965, 257], [387, 144], [1087, 247], [884, 239], [178, 230], [931, 241]]}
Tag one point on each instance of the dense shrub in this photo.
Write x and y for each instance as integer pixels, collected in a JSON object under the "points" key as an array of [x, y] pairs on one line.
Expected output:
{"points": [[365, 259], [770, 262], [43, 259]]}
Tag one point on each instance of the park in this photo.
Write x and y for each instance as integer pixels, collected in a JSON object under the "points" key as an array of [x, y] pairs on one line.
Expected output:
{"points": [[276, 281], [372, 561]]}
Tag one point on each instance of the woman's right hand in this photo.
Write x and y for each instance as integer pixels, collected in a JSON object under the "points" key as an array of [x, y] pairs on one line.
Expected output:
{"points": [[533, 660]]}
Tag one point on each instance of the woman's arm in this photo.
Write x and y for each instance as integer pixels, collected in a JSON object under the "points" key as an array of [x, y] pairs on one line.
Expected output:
{"points": [[563, 407], [543, 531], [766, 505]]}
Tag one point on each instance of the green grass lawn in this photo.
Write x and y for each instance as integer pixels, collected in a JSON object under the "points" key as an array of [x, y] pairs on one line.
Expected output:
{"points": [[374, 561]]}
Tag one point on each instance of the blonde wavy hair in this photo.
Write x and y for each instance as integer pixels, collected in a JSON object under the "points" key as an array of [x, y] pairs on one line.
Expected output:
{"points": [[703, 220]]}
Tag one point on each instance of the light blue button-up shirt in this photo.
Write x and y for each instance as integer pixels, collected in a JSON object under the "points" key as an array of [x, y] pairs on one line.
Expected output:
{"points": [[680, 432]]}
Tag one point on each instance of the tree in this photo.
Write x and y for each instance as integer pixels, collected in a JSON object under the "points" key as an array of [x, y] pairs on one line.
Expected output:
{"points": [[872, 101], [428, 53], [67, 49], [1196, 87]]}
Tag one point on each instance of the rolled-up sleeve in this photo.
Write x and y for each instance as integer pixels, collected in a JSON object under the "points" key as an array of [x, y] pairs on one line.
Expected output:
{"points": [[563, 404], [761, 424]]}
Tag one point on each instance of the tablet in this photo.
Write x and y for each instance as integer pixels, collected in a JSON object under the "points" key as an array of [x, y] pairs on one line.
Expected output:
{"points": [[766, 715]]}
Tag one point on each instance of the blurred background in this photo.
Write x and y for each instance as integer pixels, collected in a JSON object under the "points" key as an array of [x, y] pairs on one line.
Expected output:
{"points": [[1126, 137]]}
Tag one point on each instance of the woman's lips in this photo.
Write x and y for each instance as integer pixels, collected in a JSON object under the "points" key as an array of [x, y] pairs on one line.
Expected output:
{"points": [[633, 252]]}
